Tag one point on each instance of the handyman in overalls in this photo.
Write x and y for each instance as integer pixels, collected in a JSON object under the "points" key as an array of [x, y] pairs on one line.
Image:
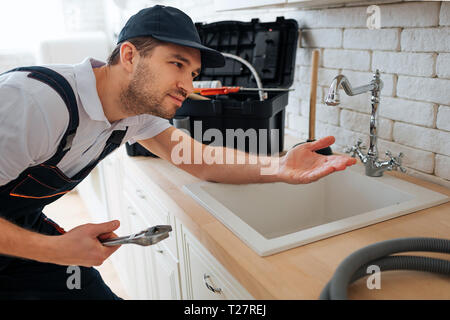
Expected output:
{"points": [[58, 122]]}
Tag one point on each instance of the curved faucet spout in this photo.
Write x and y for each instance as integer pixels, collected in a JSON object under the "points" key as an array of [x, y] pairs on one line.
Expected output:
{"points": [[333, 96]]}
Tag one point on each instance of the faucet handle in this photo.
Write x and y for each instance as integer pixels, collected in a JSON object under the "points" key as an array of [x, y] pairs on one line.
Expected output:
{"points": [[357, 147], [351, 150], [360, 145], [396, 161]]}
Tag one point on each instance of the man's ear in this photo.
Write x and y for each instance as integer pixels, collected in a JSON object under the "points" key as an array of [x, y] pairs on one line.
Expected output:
{"points": [[129, 56]]}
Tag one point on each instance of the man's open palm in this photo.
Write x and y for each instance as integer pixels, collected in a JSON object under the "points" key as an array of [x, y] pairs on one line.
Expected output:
{"points": [[303, 165]]}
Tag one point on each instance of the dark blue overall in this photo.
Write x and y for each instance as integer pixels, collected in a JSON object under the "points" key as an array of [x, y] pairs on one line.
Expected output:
{"points": [[22, 201]]}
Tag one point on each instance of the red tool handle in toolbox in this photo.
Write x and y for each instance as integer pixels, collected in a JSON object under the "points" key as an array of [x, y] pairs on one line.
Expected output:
{"points": [[227, 90], [214, 91]]}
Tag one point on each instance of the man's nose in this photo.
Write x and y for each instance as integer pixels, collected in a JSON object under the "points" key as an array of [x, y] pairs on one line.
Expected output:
{"points": [[187, 85]]}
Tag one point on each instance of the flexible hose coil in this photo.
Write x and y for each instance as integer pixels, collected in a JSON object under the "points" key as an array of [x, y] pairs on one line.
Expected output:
{"points": [[354, 266]]}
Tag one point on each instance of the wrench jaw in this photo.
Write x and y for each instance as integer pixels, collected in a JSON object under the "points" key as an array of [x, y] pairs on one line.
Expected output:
{"points": [[146, 237], [151, 240], [155, 234]]}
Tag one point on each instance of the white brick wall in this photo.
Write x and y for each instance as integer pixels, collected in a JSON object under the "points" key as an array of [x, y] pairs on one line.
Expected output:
{"points": [[422, 138], [298, 123], [324, 38], [415, 64], [382, 39], [323, 75], [360, 103], [426, 40], [425, 89], [356, 121], [443, 118], [410, 15], [444, 18], [443, 65], [348, 59], [415, 112], [412, 52], [303, 57], [330, 18], [443, 166], [324, 113]]}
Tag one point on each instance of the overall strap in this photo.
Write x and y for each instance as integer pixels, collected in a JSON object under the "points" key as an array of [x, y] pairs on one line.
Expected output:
{"points": [[64, 89], [113, 142]]}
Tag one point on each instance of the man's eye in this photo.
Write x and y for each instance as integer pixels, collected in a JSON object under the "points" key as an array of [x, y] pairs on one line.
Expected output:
{"points": [[179, 65]]}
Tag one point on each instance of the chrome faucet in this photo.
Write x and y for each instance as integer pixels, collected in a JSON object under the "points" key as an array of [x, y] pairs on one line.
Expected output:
{"points": [[374, 167]]}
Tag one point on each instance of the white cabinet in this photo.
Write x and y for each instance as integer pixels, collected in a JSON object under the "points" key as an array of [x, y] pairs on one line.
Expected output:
{"points": [[166, 272], [153, 210], [91, 189], [111, 176], [203, 277], [140, 260], [156, 267], [156, 271], [116, 208], [178, 267]]}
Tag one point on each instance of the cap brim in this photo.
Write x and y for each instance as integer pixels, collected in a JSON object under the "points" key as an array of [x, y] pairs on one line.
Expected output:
{"points": [[210, 57]]}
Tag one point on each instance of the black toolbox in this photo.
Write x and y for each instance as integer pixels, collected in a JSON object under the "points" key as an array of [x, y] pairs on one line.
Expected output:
{"points": [[271, 49]]}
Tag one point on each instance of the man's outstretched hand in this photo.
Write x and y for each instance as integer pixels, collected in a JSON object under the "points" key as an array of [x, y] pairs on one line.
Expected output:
{"points": [[302, 165]]}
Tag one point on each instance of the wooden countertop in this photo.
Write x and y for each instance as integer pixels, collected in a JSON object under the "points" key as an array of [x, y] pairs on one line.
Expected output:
{"points": [[302, 272]]}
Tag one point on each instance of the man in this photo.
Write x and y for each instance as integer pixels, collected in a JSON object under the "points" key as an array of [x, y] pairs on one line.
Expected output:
{"points": [[56, 124]]}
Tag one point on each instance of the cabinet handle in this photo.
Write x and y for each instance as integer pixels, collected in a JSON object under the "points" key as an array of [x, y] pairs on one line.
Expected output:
{"points": [[140, 194], [131, 211], [210, 287], [158, 249]]}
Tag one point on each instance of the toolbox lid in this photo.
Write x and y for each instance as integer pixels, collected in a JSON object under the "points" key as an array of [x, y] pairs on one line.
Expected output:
{"points": [[270, 47]]}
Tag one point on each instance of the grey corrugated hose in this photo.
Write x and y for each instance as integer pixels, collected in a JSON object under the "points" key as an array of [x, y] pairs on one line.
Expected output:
{"points": [[354, 266]]}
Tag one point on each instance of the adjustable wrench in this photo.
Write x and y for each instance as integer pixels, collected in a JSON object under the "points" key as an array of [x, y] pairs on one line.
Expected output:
{"points": [[146, 237]]}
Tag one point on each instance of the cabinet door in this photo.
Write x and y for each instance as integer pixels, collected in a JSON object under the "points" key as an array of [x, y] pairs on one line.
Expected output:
{"points": [[91, 190], [204, 283], [161, 263], [166, 274], [161, 266], [111, 171], [123, 258], [152, 209], [203, 277], [140, 258]]}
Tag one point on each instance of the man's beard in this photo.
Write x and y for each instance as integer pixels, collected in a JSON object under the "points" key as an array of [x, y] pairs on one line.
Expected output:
{"points": [[137, 99]]}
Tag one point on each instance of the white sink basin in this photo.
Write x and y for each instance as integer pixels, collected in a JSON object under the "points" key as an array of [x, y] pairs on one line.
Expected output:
{"points": [[274, 217]]}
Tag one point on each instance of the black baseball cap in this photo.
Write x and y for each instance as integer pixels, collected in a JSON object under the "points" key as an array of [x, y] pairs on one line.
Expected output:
{"points": [[172, 25]]}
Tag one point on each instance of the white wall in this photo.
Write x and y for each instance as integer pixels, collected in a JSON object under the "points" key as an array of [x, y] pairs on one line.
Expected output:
{"points": [[412, 51]]}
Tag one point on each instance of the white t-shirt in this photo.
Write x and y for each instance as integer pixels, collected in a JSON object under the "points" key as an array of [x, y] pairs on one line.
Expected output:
{"points": [[34, 118]]}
